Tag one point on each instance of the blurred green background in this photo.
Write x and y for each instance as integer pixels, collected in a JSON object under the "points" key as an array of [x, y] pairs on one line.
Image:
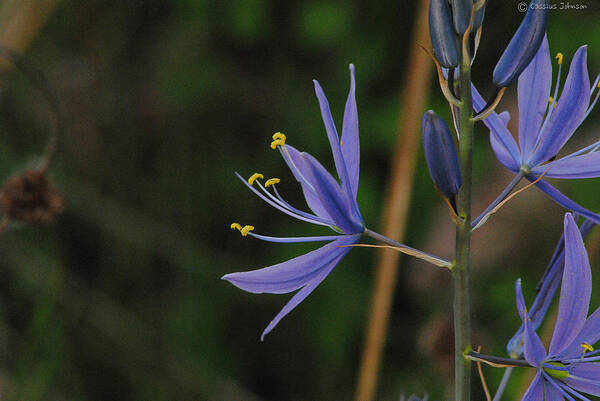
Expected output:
{"points": [[162, 101]]}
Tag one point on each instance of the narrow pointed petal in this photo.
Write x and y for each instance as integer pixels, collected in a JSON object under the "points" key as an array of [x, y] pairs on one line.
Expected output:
{"points": [[552, 393], [545, 293], [523, 46], [535, 392], [590, 333], [575, 290], [350, 143], [533, 349], [585, 377], [440, 154], [461, 14], [333, 199], [443, 37], [296, 163], [292, 274], [504, 144], [288, 240], [502, 154], [569, 113], [521, 306], [543, 299], [307, 289], [504, 117], [334, 139], [565, 202], [534, 91], [583, 166]]}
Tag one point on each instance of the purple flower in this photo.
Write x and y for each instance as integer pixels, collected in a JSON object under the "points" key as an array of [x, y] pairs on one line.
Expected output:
{"points": [[570, 366], [545, 291], [545, 124], [333, 204]]}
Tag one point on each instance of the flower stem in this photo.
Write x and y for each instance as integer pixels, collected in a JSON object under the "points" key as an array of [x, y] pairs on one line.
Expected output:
{"points": [[500, 197], [497, 361], [503, 384], [461, 297], [436, 260]]}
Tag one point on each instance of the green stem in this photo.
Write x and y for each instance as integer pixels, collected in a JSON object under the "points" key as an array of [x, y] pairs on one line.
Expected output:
{"points": [[461, 302]]}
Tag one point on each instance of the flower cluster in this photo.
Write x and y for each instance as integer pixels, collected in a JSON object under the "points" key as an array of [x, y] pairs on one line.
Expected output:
{"points": [[548, 118]]}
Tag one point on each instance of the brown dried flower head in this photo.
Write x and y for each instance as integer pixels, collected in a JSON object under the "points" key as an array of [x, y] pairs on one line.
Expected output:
{"points": [[30, 198]]}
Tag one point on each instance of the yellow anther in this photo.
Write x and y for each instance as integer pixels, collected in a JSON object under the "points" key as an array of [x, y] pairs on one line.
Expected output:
{"points": [[277, 142], [587, 347], [235, 226], [559, 58], [550, 99], [245, 230], [279, 135], [598, 86], [255, 177], [272, 181]]}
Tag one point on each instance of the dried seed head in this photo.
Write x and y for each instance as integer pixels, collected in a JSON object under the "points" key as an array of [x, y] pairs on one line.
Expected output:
{"points": [[30, 198]]}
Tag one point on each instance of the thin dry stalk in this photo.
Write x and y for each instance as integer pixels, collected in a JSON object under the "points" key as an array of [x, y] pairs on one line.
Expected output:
{"points": [[417, 81]]}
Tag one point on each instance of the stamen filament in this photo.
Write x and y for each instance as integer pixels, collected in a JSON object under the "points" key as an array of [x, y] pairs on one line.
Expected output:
{"points": [[583, 379], [277, 206], [556, 386], [592, 148], [596, 84], [294, 239], [572, 391], [292, 209], [583, 359], [589, 110]]}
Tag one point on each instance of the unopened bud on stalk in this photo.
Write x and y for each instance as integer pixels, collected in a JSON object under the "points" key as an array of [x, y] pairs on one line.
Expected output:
{"points": [[461, 14], [478, 17], [523, 45], [441, 157], [443, 36]]}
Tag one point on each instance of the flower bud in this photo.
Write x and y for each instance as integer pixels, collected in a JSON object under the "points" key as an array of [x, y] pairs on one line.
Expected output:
{"points": [[478, 17], [441, 157], [461, 14], [443, 37], [523, 45]]}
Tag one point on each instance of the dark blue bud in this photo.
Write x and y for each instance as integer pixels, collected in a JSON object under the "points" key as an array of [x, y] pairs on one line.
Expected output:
{"points": [[461, 13], [523, 45], [440, 154], [443, 37], [478, 17]]}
